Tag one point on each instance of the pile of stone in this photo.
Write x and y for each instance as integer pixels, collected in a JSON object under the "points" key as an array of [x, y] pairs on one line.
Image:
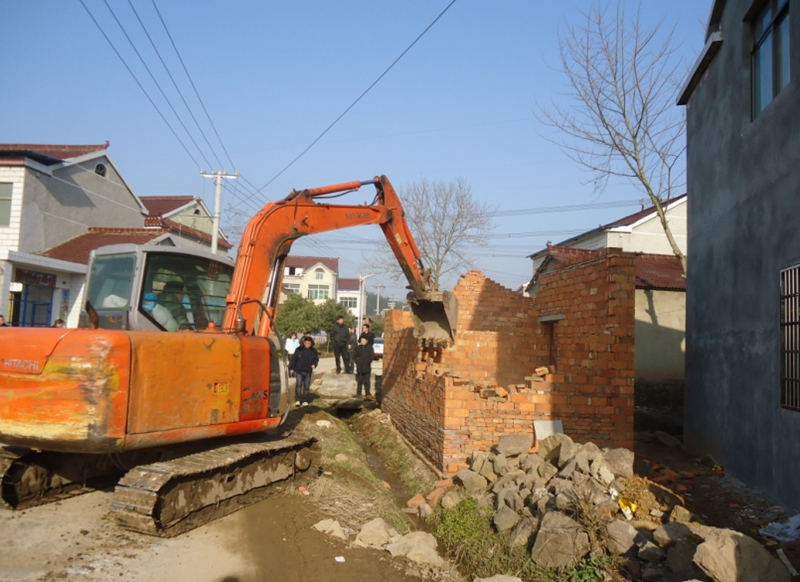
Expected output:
{"points": [[566, 500], [416, 546]]}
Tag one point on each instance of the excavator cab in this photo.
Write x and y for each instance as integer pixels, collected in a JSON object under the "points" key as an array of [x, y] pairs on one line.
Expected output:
{"points": [[151, 287]]}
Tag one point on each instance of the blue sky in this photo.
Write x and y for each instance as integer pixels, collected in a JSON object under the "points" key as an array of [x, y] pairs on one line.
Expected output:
{"points": [[273, 75]]}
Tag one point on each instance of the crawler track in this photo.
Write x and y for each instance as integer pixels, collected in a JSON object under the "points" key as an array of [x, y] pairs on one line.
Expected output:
{"points": [[169, 497], [29, 478]]}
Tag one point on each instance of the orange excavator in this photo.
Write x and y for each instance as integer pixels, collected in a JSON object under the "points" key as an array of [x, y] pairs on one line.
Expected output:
{"points": [[190, 414]]}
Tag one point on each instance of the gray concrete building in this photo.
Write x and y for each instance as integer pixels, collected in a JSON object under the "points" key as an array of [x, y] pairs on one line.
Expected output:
{"points": [[743, 303]]}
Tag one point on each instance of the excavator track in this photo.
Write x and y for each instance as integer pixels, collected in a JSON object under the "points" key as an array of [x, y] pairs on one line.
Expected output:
{"points": [[170, 497], [29, 478]]}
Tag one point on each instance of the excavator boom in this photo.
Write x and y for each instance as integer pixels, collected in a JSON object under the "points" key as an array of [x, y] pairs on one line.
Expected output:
{"points": [[268, 238]]}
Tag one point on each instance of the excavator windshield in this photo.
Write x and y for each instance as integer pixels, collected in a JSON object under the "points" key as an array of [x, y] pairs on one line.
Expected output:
{"points": [[147, 289], [184, 292]]}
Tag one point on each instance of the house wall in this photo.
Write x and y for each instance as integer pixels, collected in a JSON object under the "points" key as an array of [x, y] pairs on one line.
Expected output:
{"points": [[309, 277], [743, 181], [60, 207], [194, 216], [340, 295], [465, 397], [9, 235], [648, 236], [660, 336]]}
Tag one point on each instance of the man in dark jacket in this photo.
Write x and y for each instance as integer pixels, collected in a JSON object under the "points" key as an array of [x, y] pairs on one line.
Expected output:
{"points": [[363, 361], [303, 364], [366, 331], [340, 338]]}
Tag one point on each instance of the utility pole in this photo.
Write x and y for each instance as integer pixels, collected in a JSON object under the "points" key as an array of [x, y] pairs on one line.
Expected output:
{"points": [[218, 176], [378, 302]]}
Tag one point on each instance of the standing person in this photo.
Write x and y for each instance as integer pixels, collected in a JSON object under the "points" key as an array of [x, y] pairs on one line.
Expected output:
{"points": [[366, 332], [352, 344], [291, 344], [58, 323], [363, 360], [3, 321], [303, 363], [340, 337]]}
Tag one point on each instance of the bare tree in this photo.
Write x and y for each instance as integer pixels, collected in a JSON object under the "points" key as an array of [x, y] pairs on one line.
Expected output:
{"points": [[445, 220], [621, 119]]}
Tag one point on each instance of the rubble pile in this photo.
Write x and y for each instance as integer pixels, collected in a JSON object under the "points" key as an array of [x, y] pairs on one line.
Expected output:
{"points": [[568, 499]]}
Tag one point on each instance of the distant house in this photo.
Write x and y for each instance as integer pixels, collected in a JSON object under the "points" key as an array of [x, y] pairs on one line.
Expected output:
{"points": [[660, 289], [312, 277], [743, 305], [348, 293], [186, 218], [50, 194]]}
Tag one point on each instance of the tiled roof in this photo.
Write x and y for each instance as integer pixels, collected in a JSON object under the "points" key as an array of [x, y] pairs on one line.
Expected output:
{"points": [[77, 249], [48, 153], [643, 213], [659, 272], [161, 205], [348, 284], [306, 263], [182, 229]]}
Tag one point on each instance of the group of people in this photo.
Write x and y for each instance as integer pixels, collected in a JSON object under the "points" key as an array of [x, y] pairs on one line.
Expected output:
{"points": [[349, 355], [57, 323]]}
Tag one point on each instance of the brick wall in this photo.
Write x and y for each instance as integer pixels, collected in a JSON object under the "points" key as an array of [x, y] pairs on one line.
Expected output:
{"points": [[580, 325]]}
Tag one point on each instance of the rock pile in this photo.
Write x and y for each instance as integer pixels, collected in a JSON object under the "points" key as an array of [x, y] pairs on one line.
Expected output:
{"points": [[418, 547], [570, 499]]}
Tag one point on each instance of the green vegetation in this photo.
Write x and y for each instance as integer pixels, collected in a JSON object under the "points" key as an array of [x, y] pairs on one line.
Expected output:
{"points": [[466, 535], [590, 569]]}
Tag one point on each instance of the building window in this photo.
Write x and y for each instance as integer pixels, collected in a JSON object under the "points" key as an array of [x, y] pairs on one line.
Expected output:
{"points": [[5, 204], [349, 302], [319, 274], [770, 54], [290, 288], [790, 338], [317, 291]]}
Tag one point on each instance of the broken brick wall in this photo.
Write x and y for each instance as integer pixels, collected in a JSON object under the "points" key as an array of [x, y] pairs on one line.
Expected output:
{"points": [[580, 324]]}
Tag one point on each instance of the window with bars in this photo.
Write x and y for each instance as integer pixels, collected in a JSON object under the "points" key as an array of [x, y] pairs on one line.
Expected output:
{"points": [[349, 301], [790, 338]]}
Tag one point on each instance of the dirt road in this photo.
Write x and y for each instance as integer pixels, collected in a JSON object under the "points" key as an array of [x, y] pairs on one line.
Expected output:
{"points": [[271, 540]]}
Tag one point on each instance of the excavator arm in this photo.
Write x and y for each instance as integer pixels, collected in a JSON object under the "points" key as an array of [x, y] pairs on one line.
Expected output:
{"points": [[268, 237]]}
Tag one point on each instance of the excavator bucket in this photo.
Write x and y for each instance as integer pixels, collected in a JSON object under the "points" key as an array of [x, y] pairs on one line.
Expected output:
{"points": [[435, 316]]}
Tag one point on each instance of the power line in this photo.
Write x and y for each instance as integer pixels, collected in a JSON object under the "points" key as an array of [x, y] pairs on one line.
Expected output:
{"points": [[353, 104], [155, 82], [138, 83], [194, 87], [174, 84], [564, 208]]}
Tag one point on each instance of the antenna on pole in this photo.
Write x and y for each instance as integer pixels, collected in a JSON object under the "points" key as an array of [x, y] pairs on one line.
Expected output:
{"points": [[218, 176]]}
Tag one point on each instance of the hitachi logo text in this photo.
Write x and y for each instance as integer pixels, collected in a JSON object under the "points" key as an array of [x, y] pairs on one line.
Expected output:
{"points": [[27, 365]]}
